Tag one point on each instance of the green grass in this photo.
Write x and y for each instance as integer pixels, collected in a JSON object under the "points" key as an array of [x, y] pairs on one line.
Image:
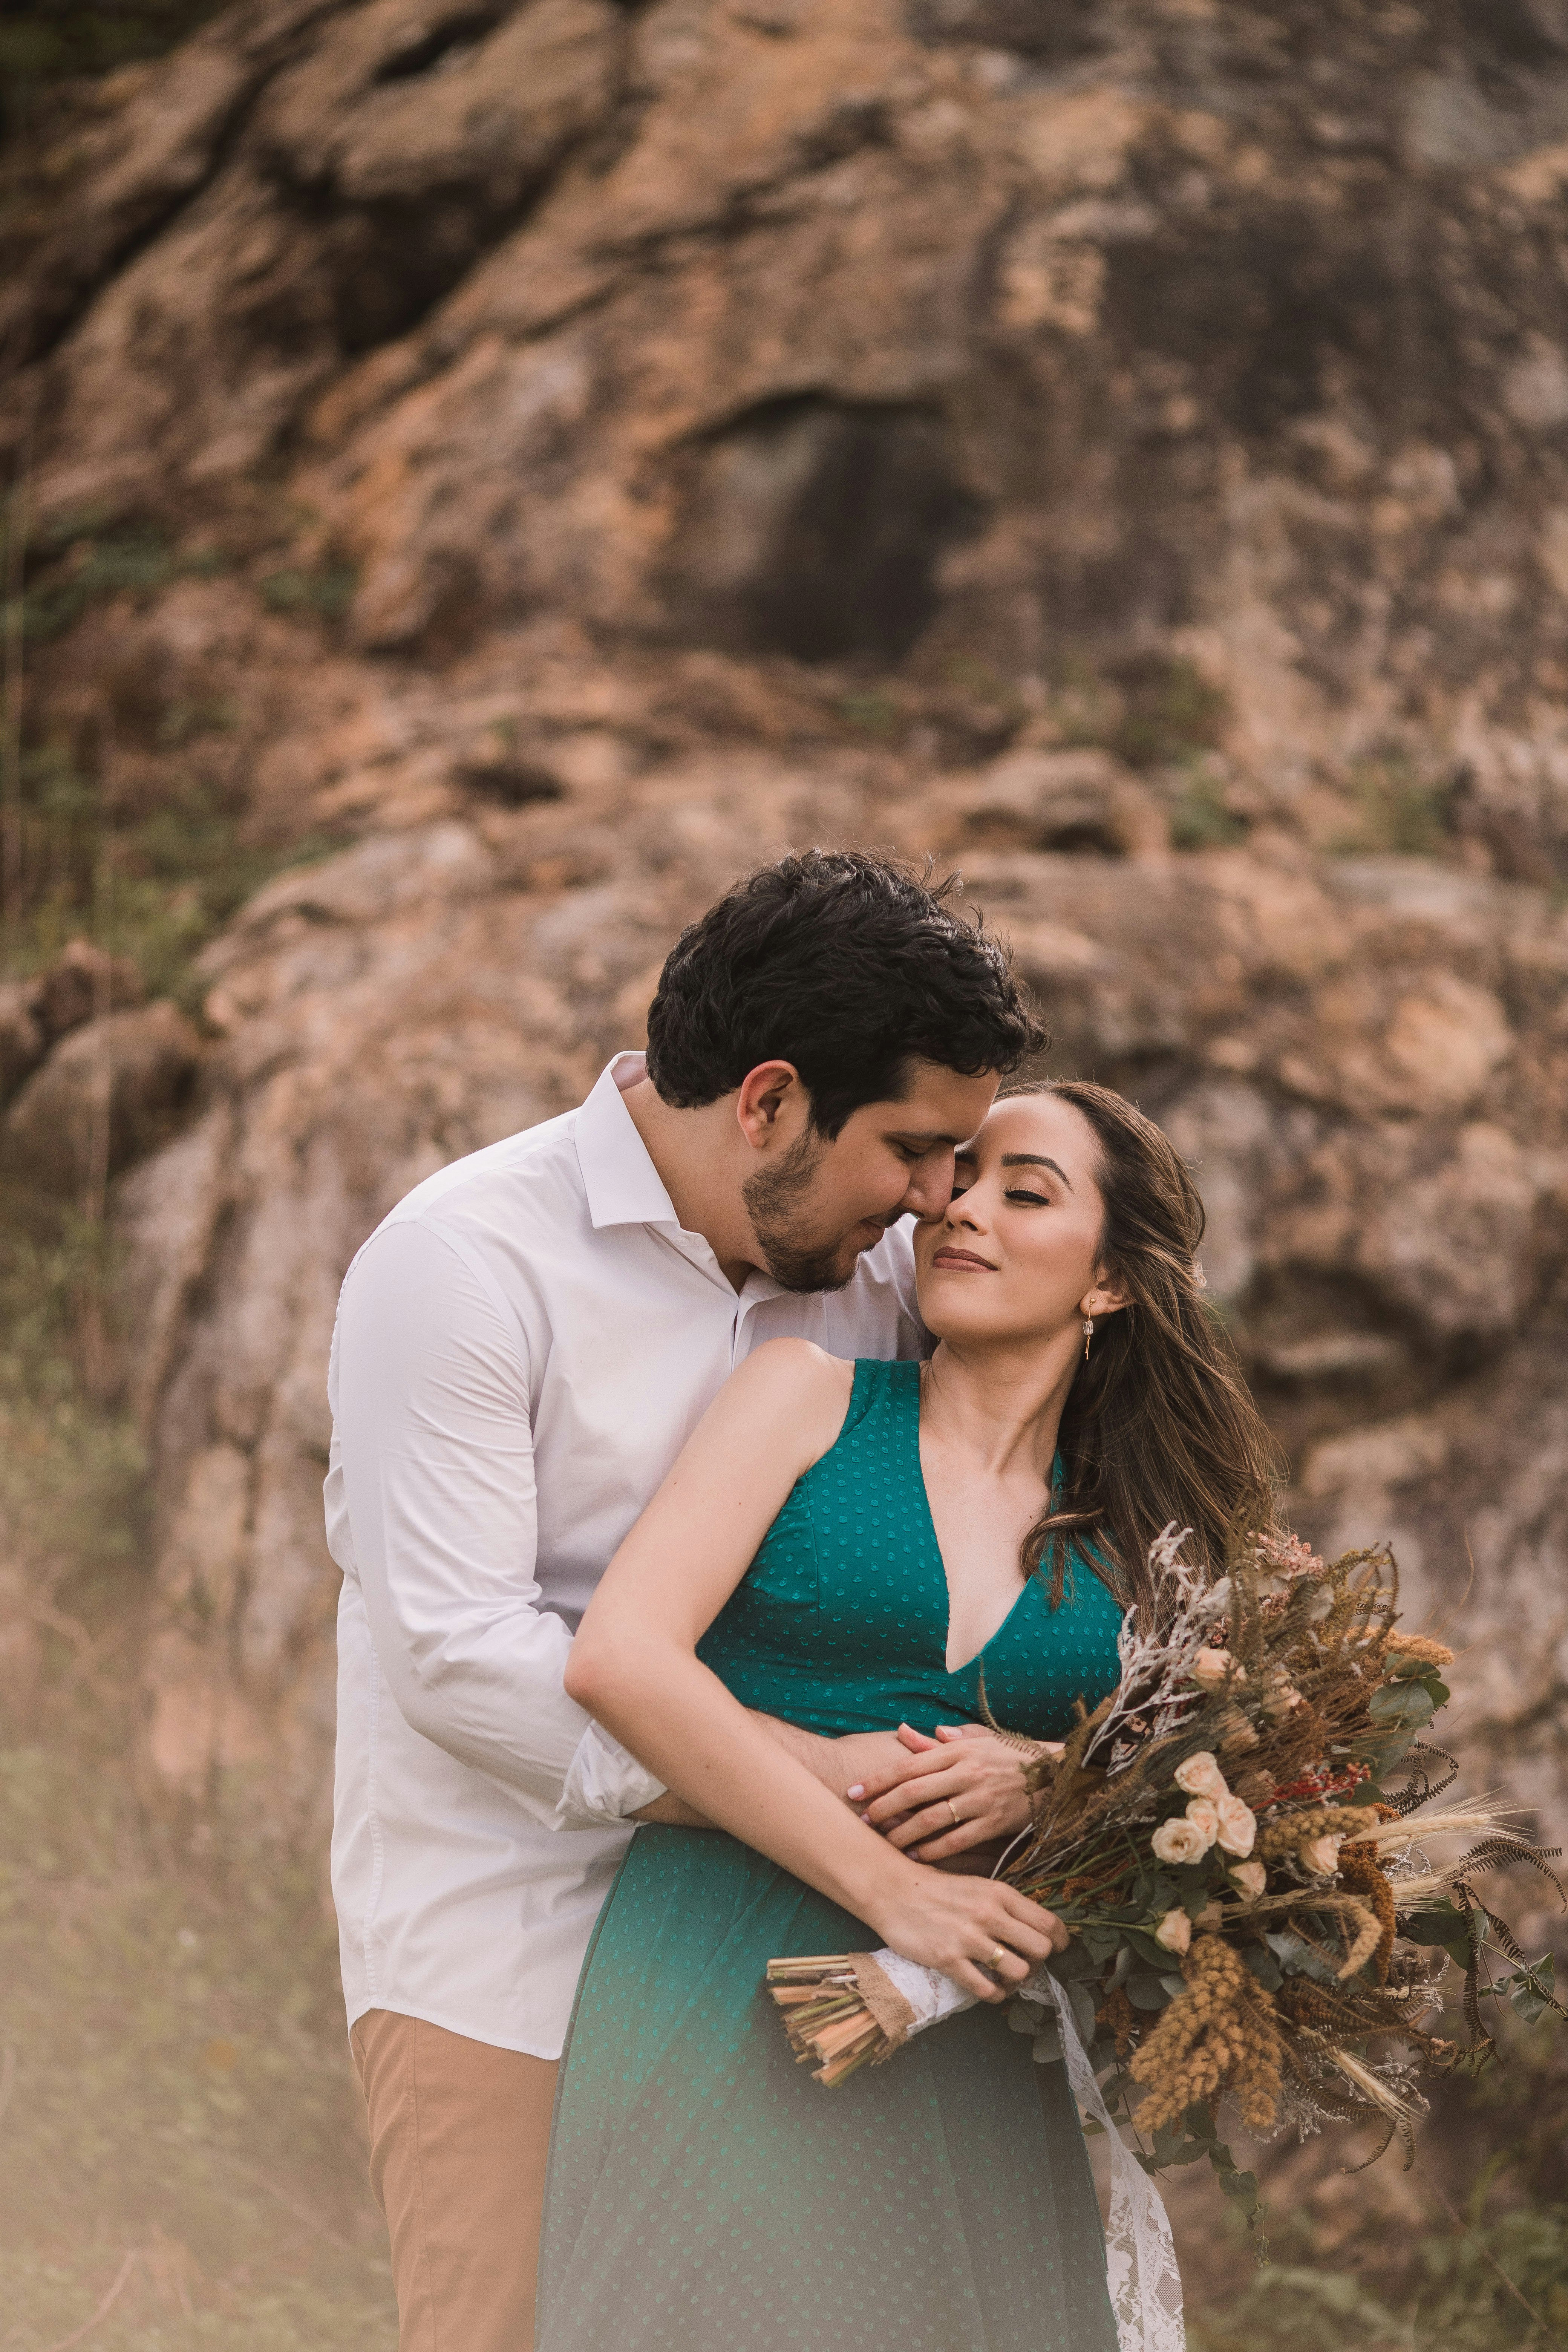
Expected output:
{"points": [[1200, 817], [1169, 712], [1397, 808], [155, 884], [326, 592], [87, 567], [1447, 2297]]}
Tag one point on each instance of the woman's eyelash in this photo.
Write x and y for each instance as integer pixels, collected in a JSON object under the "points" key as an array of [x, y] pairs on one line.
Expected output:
{"points": [[1017, 1193]]}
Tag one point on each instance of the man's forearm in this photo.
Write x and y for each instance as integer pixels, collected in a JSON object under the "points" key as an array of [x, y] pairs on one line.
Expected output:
{"points": [[839, 1764], [671, 1813]]}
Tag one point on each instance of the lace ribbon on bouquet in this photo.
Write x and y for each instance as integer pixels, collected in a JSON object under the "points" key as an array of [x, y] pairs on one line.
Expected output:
{"points": [[1140, 2259]]}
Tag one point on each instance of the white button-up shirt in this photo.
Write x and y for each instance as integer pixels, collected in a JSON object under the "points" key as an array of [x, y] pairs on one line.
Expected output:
{"points": [[521, 1351]]}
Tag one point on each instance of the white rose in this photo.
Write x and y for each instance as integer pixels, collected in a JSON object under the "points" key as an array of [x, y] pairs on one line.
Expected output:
{"points": [[1250, 1876], [1210, 1667], [1200, 1776], [1179, 1841], [1320, 1854], [1237, 1825], [1175, 1931], [1203, 1815]]}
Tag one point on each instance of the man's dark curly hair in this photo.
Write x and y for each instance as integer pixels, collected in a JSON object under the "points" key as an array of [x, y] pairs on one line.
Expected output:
{"points": [[847, 965]]}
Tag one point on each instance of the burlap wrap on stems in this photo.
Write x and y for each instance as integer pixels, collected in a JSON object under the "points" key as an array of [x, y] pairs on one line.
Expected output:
{"points": [[883, 1998]]}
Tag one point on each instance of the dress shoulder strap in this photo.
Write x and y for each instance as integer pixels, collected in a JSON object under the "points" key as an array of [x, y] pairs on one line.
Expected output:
{"points": [[880, 1386]]}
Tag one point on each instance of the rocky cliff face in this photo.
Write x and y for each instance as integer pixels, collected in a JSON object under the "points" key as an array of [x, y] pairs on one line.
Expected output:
{"points": [[580, 448]]}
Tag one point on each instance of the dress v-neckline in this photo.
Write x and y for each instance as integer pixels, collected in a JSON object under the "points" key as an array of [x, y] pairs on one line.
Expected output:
{"points": [[953, 1672]]}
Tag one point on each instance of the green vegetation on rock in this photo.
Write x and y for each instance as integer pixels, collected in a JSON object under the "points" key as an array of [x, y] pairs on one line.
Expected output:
{"points": [[42, 42]]}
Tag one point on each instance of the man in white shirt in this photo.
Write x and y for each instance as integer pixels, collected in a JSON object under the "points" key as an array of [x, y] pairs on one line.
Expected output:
{"points": [[521, 1350]]}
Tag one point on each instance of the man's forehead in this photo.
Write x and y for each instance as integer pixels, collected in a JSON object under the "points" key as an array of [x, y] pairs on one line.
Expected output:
{"points": [[918, 1131], [932, 1094]]}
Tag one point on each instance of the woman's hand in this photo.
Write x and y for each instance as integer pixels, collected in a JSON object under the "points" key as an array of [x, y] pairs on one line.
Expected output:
{"points": [[962, 1789], [975, 1930]]}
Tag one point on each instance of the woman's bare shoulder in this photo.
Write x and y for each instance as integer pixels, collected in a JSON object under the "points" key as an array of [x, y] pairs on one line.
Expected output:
{"points": [[798, 1364], [796, 1386]]}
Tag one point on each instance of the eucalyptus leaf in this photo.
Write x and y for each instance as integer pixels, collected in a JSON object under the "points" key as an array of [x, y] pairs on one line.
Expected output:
{"points": [[1295, 1956], [1083, 2008], [1405, 1706], [1445, 1927], [1531, 1989]]}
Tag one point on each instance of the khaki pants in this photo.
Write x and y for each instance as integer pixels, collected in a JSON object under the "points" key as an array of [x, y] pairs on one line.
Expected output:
{"points": [[458, 2137]]}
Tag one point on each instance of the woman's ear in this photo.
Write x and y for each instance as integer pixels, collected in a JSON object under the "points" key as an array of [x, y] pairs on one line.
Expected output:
{"points": [[1107, 1297]]}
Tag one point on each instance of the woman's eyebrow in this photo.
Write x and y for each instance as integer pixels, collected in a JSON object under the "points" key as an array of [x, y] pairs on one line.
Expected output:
{"points": [[1036, 1159]]}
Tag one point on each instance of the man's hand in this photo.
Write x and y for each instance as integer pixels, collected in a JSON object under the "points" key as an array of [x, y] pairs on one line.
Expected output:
{"points": [[941, 1797], [842, 1764]]}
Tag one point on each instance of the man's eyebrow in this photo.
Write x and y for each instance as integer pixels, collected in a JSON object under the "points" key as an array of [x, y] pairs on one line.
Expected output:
{"points": [[1036, 1159], [926, 1135]]}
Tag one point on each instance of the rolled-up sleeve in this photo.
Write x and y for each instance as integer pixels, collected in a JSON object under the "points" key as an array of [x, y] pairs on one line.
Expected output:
{"points": [[435, 1454], [606, 1785]]}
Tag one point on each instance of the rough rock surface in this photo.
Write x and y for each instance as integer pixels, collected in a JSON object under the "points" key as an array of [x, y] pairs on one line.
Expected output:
{"points": [[1123, 446], [106, 1095]]}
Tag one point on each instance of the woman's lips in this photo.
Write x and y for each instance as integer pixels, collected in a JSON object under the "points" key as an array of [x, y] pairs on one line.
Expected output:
{"points": [[962, 1262]]}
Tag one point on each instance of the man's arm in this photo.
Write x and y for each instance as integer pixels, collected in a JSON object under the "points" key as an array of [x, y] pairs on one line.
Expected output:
{"points": [[436, 1452], [839, 1764]]}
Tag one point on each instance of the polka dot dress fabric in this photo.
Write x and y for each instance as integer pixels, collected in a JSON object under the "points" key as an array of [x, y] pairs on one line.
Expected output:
{"points": [[705, 2194]]}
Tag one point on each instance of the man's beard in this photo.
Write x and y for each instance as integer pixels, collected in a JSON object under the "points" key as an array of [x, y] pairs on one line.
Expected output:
{"points": [[773, 1197]]}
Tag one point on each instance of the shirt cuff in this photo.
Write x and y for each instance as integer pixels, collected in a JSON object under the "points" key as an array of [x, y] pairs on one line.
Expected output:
{"points": [[604, 1784]]}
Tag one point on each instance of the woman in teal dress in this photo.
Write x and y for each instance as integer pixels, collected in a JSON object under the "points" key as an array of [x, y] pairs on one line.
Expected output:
{"points": [[844, 1551]]}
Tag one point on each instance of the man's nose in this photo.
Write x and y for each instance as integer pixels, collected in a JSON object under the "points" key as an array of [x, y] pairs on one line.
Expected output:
{"points": [[930, 1190]]}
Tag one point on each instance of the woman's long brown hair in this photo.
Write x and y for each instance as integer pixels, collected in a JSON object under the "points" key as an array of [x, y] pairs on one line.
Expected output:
{"points": [[1159, 1425]]}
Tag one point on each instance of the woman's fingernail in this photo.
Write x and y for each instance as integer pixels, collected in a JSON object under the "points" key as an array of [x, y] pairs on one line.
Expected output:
{"points": [[859, 1789]]}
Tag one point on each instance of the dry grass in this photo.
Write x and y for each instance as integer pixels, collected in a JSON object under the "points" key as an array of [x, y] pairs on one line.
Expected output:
{"points": [[179, 2127]]}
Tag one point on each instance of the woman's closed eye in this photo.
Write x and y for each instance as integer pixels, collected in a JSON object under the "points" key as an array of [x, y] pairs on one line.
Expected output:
{"points": [[1035, 1200]]}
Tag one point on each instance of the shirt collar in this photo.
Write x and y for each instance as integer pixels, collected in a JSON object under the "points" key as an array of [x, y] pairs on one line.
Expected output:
{"points": [[624, 1188], [623, 1185]]}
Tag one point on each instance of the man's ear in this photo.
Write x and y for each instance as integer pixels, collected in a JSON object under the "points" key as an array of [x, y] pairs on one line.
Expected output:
{"points": [[764, 1092]]}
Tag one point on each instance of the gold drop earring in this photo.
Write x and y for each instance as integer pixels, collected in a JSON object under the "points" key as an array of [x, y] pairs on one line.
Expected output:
{"points": [[1088, 1335]]}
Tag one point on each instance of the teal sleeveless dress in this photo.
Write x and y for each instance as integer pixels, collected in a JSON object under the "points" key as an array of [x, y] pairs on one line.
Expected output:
{"points": [[705, 2194]]}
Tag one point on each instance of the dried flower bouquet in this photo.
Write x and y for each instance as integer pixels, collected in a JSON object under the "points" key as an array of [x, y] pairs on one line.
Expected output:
{"points": [[1231, 1839]]}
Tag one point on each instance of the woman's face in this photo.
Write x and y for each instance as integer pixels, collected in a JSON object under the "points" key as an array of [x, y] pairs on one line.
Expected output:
{"points": [[1016, 1253]]}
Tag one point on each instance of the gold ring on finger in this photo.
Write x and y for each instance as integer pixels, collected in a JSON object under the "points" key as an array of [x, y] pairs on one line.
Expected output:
{"points": [[997, 1957], [952, 1809]]}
